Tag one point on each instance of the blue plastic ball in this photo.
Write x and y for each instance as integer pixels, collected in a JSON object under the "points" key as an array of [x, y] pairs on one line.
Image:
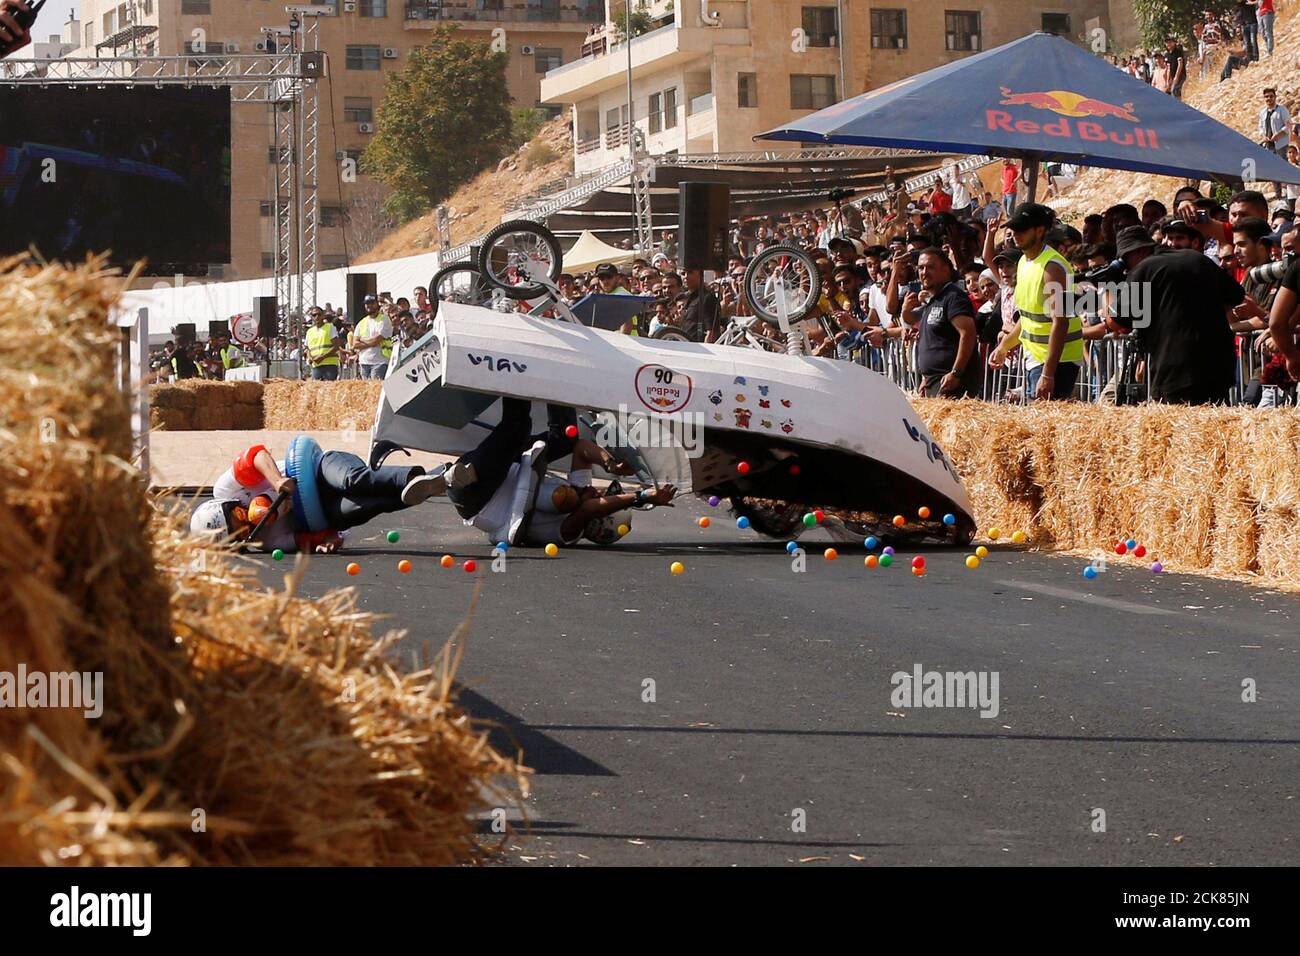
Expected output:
{"points": [[1130, 544], [742, 522], [950, 520], [791, 547], [713, 500], [1090, 572], [889, 551], [503, 546], [871, 543]]}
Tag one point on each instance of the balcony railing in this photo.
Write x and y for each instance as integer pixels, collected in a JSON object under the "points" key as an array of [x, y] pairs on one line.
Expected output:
{"points": [[439, 10], [616, 136], [700, 104], [588, 145], [613, 47]]}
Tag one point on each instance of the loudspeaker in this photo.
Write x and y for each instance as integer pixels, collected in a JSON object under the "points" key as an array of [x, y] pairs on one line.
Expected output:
{"points": [[268, 318], [185, 332], [704, 217], [360, 285], [218, 328]]}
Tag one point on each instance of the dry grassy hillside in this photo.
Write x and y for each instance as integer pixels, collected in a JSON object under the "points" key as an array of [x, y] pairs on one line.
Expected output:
{"points": [[479, 205]]}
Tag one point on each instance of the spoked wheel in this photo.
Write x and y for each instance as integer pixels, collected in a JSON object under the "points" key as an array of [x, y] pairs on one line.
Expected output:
{"points": [[775, 519], [459, 282], [516, 254], [782, 272], [670, 333]]}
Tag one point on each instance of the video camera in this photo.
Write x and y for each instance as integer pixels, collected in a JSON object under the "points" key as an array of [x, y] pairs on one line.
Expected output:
{"points": [[1112, 272], [1272, 271]]}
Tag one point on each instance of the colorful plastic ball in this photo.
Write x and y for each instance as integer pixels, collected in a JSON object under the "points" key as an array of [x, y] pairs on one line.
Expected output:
{"points": [[503, 546], [404, 566], [447, 561], [995, 533], [918, 572], [277, 555], [972, 562], [1157, 567], [571, 431], [923, 512], [625, 529], [889, 550], [899, 521], [871, 543], [886, 560], [742, 467], [819, 516], [1018, 537], [830, 554], [703, 522], [981, 552], [742, 522], [1121, 548], [791, 547], [1130, 544], [393, 536], [809, 520], [354, 569], [551, 550], [950, 520], [871, 560], [1140, 552], [713, 501], [677, 567], [471, 566], [1090, 572], [918, 562], [795, 469]]}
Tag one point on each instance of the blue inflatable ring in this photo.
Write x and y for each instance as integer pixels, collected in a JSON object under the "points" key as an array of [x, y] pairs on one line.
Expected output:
{"points": [[301, 463]]}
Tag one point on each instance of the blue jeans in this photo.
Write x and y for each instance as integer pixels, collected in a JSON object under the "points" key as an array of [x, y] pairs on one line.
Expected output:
{"points": [[1067, 375], [1266, 30], [1250, 33], [1008, 204], [374, 371], [351, 493], [325, 373]]}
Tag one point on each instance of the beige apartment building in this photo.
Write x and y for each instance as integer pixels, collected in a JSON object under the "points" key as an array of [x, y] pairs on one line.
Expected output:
{"points": [[365, 41], [712, 73]]}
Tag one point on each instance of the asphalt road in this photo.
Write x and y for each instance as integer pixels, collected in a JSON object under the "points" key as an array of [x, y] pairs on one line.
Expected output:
{"points": [[772, 738]]}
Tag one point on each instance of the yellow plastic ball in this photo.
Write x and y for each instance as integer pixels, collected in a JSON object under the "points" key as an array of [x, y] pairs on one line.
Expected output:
{"points": [[982, 551], [995, 533], [972, 562], [677, 567], [552, 550], [1018, 537], [624, 529]]}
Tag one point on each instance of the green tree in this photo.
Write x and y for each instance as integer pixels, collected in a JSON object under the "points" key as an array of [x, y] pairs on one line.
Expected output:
{"points": [[525, 121], [641, 21], [442, 120], [1161, 18]]}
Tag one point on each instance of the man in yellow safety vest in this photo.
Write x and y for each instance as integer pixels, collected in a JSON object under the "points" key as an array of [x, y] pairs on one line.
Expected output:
{"points": [[323, 347], [374, 339]]}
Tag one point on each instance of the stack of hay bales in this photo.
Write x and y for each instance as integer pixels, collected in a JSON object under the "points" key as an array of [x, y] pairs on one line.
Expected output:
{"points": [[239, 725], [196, 405], [320, 406], [1205, 489]]}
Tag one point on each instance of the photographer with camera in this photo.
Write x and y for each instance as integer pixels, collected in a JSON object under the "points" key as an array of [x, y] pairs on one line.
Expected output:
{"points": [[1282, 322], [1185, 325], [1253, 241]]}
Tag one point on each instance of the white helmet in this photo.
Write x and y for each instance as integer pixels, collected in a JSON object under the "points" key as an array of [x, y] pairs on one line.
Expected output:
{"points": [[209, 520], [604, 531]]}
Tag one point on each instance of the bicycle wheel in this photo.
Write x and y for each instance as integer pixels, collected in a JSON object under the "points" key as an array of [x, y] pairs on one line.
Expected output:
{"points": [[670, 333], [516, 254], [459, 282], [801, 283]]}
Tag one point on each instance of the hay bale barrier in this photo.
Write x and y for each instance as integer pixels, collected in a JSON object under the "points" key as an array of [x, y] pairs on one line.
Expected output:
{"points": [[1210, 490], [276, 721], [320, 406]]}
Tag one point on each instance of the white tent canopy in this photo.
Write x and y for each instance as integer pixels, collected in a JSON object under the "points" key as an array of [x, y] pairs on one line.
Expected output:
{"points": [[589, 252]]}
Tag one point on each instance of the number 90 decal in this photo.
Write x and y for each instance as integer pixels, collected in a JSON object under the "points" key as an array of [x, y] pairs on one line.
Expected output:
{"points": [[662, 390]]}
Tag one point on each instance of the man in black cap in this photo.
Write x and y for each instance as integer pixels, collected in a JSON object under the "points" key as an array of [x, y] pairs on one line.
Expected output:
{"points": [[1177, 233], [1184, 322], [945, 350]]}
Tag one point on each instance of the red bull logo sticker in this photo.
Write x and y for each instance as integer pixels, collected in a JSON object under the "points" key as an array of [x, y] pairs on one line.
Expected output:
{"points": [[661, 389], [1082, 117]]}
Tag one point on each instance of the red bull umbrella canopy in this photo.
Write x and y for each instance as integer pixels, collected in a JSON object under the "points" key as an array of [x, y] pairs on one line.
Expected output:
{"points": [[1043, 98]]}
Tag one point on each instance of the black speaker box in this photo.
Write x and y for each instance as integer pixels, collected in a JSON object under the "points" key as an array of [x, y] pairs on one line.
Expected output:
{"points": [[268, 318], [704, 217], [360, 285], [185, 332], [218, 328]]}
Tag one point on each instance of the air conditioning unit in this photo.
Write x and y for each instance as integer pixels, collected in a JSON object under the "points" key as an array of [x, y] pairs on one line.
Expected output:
{"points": [[365, 127], [526, 50], [232, 46], [260, 46], [349, 6], [390, 53]]}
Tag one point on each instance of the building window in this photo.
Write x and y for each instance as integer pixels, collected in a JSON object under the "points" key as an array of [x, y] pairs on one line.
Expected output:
{"points": [[196, 8], [331, 216], [268, 260], [670, 108], [266, 207], [90, 34], [547, 58], [889, 29], [746, 90], [962, 30], [373, 8], [656, 112], [811, 92], [819, 26], [364, 57], [358, 109], [1056, 23]]}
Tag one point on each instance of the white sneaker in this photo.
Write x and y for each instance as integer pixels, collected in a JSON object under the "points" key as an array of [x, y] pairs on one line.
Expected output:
{"points": [[460, 474], [423, 487]]}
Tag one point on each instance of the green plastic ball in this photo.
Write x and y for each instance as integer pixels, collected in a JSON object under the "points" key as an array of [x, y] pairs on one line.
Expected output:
{"points": [[809, 520], [886, 560], [277, 555], [392, 537]]}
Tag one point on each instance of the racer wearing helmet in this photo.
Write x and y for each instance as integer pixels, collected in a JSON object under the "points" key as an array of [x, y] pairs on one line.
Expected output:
{"points": [[503, 489]]}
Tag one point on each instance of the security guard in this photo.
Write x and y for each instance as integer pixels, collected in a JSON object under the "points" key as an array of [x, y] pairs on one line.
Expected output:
{"points": [[230, 356], [323, 347], [374, 338], [1052, 339]]}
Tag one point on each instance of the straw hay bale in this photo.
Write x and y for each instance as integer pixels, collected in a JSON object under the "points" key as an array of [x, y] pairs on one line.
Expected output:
{"points": [[1206, 489], [277, 716], [320, 406]]}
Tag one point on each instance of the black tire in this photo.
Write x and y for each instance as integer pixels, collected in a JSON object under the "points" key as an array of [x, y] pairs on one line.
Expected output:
{"points": [[670, 333], [478, 292], [493, 261], [780, 519], [802, 295]]}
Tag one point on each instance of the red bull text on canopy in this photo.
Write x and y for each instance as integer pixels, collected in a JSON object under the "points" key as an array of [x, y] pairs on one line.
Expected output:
{"points": [[1082, 117]]}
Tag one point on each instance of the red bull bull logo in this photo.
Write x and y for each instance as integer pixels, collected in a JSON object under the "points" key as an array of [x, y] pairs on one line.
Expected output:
{"points": [[1082, 117]]}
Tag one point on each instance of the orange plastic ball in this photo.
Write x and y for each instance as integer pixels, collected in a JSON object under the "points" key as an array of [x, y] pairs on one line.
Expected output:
{"points": [[871, 560], [923, 512], [447, 561], [404, 566], [899, 521], [830, 554], [354, 569]]}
